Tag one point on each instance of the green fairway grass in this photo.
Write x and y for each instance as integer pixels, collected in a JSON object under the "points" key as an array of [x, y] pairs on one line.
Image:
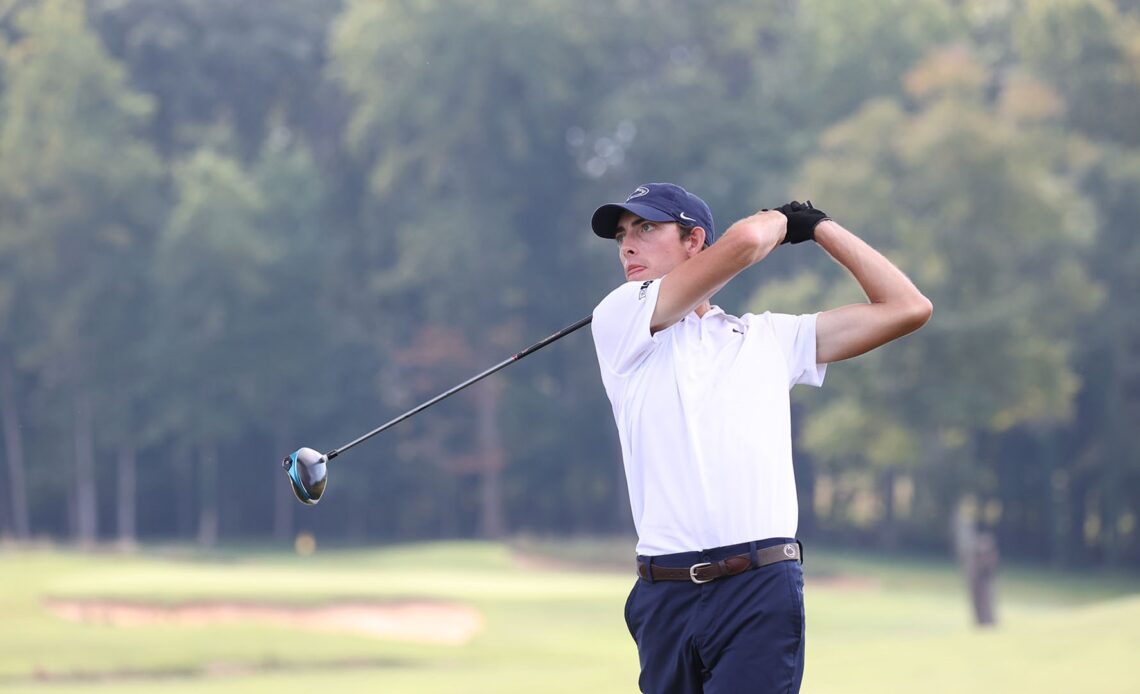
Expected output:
{"points": [[551, 624]]}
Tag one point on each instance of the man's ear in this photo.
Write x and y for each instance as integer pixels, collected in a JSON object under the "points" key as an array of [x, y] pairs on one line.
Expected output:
{"points": [[695, 241]]}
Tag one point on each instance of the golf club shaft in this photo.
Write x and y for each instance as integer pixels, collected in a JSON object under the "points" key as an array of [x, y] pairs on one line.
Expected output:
{"points": [[423, 406]]}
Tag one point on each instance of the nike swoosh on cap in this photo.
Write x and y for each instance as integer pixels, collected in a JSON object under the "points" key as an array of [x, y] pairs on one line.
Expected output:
{"points": [[687, 218]]}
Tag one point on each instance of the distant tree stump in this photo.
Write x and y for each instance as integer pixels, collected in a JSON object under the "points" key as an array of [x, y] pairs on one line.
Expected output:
{"points": [[978, 557], [982, 573]]}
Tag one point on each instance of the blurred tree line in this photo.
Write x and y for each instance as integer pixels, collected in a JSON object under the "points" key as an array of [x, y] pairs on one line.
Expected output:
{"points": [[231, 229]]}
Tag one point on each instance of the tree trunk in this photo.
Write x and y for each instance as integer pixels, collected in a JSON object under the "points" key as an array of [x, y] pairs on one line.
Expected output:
{"points": [[982, 572], [208, 498], [622, 517], [14, 452], [1078, 512], [491, 456], [888, 531], [805, 484], [1121, 450], [185, 491], [1109, 515], [86, 490], [125, 508], [283, 499], [1056, 498], [358, 504], [978, 558]]}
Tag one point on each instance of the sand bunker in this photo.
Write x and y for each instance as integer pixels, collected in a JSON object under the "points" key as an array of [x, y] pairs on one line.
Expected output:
{"points": [[422, 622]]}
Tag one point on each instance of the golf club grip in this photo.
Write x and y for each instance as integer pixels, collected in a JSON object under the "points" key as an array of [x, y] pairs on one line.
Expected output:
{"points": [[474, 379]]}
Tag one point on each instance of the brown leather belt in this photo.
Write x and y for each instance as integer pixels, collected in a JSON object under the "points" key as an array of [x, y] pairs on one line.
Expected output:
{"points": [[704, 572]]}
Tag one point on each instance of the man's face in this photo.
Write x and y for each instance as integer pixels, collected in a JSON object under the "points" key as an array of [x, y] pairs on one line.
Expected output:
{"points": [[649, 250]]}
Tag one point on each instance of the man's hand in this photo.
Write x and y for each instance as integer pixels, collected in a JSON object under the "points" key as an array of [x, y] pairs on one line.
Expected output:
{"points": [[802, 220]]}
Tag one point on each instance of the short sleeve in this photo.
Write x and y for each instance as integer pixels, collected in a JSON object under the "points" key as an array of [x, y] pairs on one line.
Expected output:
{"points": [[620, 326], [795, 336]]}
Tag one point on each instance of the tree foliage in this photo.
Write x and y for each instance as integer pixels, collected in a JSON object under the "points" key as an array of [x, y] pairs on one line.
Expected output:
{"points": [[970, 202], [231, 229]]}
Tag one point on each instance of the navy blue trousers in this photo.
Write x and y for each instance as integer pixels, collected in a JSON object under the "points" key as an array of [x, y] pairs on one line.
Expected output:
{"points": [[743, 633]]}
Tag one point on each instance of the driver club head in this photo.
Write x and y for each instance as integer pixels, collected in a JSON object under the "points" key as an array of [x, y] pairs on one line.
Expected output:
{"points": [[308, 474]]}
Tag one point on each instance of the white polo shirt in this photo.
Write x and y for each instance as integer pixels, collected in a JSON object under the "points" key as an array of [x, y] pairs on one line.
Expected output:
{"points": [[703, 414]]}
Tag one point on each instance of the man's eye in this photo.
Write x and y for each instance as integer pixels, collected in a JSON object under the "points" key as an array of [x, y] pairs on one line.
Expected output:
{"points": [[647, 227]]}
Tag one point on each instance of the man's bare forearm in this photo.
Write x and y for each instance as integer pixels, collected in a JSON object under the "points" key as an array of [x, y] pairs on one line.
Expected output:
{"points": [[896, 307], [692, 283], [879, 278]]}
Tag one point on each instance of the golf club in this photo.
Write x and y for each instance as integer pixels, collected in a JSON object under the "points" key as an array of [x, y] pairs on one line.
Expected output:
{"points": [[308, 468]]}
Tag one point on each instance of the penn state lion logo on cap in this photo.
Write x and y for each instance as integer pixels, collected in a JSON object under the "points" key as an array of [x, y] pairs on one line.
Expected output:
{"points": [[641, 190]]}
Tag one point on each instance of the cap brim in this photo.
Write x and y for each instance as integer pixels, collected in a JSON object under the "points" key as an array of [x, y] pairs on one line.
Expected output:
{"points": [[605, 219]]}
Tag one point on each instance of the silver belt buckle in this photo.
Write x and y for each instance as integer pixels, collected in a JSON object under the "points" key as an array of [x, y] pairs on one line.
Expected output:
{"points": [[693, 572]]}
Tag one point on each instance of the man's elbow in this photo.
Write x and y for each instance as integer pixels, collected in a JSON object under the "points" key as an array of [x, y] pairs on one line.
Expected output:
{"points": [[916, 314]]}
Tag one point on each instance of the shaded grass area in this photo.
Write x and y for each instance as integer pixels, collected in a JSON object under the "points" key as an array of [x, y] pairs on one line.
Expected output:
{"points": [[553, 623], [548, 619]]}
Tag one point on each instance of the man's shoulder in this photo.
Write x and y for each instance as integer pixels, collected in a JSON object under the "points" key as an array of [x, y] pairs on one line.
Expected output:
{"points": [[621, 325], [763, 318], [773, 324], [627, 294], [770, 317]]}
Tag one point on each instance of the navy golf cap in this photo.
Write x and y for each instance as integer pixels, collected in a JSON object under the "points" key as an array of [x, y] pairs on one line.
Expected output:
{"points": [[656, 202]]}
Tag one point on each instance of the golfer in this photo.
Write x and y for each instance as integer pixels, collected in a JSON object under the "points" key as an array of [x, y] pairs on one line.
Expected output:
{"points": [[700, 398]]}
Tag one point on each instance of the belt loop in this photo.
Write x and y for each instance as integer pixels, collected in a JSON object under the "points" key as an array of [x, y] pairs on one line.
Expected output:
{"points": [[752, 551], [649, 568], [801, 546]]}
